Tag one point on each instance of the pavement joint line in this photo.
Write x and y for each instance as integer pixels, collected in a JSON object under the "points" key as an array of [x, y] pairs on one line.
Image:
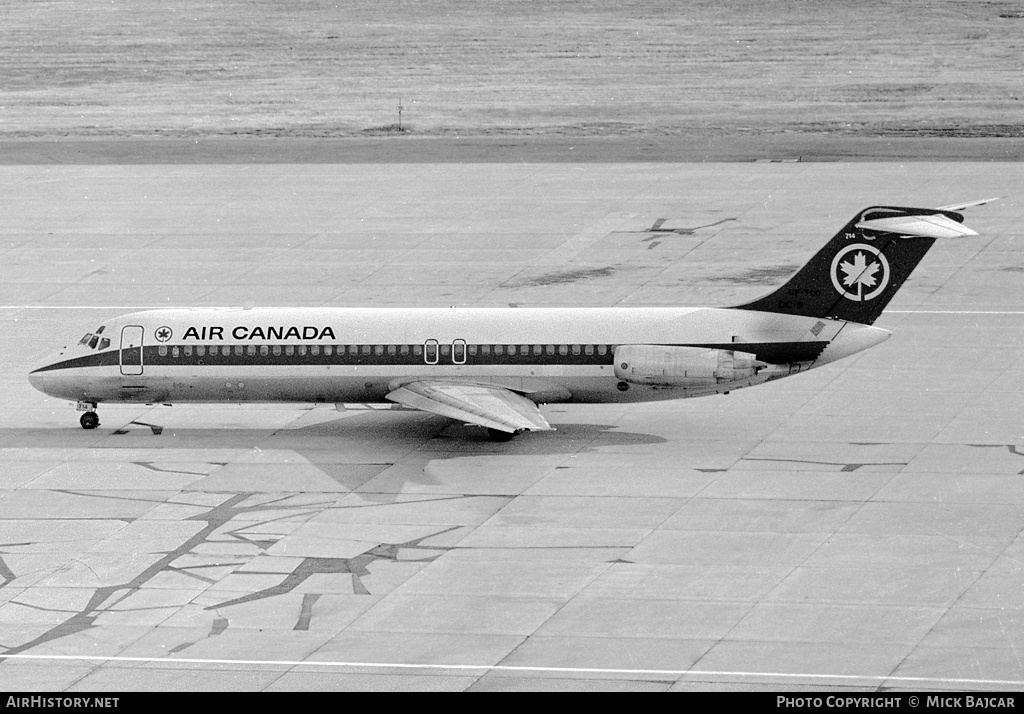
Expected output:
{"points": [[525, 668]]}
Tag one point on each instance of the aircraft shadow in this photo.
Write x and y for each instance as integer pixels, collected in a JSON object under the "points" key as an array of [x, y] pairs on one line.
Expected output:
{"points": [[374, 436]]}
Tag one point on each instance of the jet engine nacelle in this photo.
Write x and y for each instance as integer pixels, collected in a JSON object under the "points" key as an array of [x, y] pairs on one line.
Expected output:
{"points": [[683, 366]]}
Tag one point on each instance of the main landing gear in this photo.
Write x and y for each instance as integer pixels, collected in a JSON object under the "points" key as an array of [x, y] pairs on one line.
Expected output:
{"points": [[499, 435], [89, 420]]}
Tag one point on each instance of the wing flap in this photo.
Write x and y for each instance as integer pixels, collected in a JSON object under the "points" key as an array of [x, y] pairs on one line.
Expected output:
{"points": [[492, 407]]}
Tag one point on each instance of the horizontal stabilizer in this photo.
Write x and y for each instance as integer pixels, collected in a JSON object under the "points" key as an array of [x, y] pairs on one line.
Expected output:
{"points": [[969, 204], [933, 226]]}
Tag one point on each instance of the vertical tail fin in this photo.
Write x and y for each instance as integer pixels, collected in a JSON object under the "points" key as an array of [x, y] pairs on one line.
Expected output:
{"points": [[859, 271]]}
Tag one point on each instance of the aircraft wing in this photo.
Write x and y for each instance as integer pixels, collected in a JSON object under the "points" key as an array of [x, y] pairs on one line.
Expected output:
{"points": [[492, 407]]}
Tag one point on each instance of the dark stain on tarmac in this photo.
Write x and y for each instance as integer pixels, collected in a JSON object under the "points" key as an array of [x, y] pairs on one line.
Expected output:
{"points": [[756, 276], [562, 278]]}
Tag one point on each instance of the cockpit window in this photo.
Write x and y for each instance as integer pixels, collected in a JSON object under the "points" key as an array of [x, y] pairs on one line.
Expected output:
{"points": [[100, 330], [92, 340]]}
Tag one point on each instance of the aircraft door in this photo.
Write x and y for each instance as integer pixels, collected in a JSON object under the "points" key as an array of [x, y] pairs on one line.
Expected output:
{"points": [[430, 352], [131, 350]]}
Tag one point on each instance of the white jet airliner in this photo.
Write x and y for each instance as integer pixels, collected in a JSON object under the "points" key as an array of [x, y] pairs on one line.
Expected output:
{"points": [[493, 366]]}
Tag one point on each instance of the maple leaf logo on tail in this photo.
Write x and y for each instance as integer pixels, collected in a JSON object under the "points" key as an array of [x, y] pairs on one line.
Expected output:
{"points": [[865, 272], [860, 272]]}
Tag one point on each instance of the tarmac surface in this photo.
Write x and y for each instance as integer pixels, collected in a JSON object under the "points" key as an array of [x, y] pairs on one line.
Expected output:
{"points": [[858, 527], [691, 146]]}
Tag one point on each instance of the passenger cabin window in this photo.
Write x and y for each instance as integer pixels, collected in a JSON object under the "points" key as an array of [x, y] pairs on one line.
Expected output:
{"points": [[430, 352], [289, 350], [459, 352], [264, 350], [277, 350]]}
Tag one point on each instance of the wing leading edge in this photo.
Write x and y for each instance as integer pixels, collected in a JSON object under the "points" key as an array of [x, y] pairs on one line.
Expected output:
{"points": [[492, 407]]}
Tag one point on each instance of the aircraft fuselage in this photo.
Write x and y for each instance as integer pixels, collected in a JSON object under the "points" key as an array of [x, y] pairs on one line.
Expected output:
{"points": [[339, 355]]}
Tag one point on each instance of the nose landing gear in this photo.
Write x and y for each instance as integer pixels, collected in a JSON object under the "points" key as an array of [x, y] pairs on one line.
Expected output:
{"points": [[89, 420]]}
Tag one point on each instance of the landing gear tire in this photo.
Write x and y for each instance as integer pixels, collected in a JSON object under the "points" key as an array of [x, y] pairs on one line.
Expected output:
{"points": [[499, 435], [90, 420]]}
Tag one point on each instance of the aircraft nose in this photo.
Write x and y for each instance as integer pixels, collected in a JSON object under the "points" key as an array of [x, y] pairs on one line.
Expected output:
{"points": [[42, 377], [38, 379]]}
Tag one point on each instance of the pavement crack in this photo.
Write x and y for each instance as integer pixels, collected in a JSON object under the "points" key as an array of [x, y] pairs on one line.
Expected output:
{"points": [[6, 573], [846, 466], [1012, 448], [308, 600], [85, 618], [153, 467], [357, 567], [196, 576]]}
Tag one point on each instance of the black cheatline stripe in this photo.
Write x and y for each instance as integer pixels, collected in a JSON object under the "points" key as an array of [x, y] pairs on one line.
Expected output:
{"points": [[338, 357], [101, 359], [771, 352]]}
